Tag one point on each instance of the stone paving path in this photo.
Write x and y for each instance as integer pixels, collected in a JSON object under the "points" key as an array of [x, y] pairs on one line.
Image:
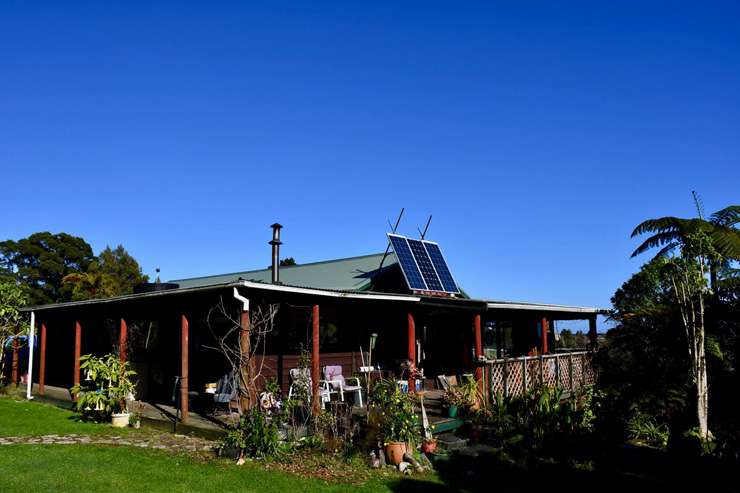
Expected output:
{"points": [[175, 443]]}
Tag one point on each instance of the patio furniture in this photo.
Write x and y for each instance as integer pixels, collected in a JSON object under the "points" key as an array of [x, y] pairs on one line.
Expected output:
{"points": [[333, 375], [301, 379], [227, 392]]}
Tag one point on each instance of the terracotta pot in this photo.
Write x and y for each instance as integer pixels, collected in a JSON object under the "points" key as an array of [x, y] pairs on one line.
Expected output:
{"points": [[429, 446], [394, 452]]}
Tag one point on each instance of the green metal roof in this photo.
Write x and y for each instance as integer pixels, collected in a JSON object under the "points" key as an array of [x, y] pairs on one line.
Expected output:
{"points": [[351, 274]]}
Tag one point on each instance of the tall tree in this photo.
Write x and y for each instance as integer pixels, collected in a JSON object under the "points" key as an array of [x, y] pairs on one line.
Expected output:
{"points": [[41, 262], [113, 273], [703, 247], [669, 233], [687, 274], [12, 322]]}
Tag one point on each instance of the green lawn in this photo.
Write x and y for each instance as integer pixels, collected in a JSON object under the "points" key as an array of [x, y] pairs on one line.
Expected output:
{"points": [[21, 417], [78, 467]]}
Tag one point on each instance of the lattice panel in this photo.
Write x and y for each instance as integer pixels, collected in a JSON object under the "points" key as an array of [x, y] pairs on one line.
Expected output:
{"points": [[496, 378], [533, 373], [577, 372], [569, 372], [589, 371], [515, 377], [549, 372]]}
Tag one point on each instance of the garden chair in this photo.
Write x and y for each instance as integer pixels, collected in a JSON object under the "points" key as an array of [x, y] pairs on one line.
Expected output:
{"points": [[227, 392], [333, 375], [300, 378]]}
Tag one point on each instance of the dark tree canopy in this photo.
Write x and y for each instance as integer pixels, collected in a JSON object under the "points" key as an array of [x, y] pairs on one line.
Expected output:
{"points": [[41, 261], [113, 273], [122, 267]]}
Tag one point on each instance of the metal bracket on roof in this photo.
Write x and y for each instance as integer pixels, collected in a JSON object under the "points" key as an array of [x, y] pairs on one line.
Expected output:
{"points": [[393, 230]]}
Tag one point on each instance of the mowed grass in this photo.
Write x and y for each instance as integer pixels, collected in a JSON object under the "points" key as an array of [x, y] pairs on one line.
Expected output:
{"points": [[75, 468], [21, 417]]}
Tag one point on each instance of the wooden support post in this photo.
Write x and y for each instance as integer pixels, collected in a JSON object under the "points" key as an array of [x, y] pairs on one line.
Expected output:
{"points": [[42, 359], [411, 350], [184, 346], [78, 350], [14, 364], [315, 373], [478, 351], [592, 337], [123, 342], [545, 327], [246, 397]]}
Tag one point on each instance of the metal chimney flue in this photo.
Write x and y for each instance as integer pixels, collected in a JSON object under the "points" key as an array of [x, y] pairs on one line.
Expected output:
{"points": [[275, 242]]}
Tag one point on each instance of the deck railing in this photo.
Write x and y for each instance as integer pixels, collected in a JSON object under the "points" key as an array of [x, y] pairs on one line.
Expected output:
{"points": [[516, 376]]}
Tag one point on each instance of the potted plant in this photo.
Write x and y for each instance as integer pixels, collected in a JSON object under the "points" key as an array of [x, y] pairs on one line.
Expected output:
{"points": [[393, 413], [454, 399], [107, 387]]}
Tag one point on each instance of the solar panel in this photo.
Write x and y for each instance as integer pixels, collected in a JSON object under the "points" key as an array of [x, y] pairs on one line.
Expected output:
{"points": [[425, 265], [408, 265], [440, 265]]}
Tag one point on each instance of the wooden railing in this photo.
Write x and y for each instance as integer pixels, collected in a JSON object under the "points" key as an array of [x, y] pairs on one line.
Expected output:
{"points": [[516, 376]]}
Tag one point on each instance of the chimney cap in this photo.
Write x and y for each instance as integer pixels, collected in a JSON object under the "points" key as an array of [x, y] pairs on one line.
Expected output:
{"points": [[276, 226]]}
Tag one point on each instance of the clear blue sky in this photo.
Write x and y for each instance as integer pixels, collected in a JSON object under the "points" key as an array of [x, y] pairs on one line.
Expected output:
{"points": [[538, 135]]}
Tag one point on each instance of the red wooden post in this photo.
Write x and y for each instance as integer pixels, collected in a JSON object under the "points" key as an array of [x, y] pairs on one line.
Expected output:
{"points": [[315, 375], [42, 359], [592, 332], [14, 365], [123, 342], [412, 350], [78, 350], [184, 342], [545, 349], [247, 399], [478, 348]]}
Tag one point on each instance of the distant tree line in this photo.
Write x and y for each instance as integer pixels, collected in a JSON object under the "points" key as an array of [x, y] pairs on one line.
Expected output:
{"points": [[53, 268], [569, 339]]}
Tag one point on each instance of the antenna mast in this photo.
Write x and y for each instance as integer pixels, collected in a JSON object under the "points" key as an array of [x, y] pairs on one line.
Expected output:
{"points": [[424, 233], [393, 230]]}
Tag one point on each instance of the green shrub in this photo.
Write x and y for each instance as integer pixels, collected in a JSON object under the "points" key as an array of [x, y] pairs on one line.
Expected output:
{"points": [[392, 412], [644, 428], [255, 436]]}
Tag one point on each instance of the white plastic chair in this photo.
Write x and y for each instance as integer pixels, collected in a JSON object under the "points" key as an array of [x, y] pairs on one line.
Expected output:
{"points": [[301, 378], [333, 375]]}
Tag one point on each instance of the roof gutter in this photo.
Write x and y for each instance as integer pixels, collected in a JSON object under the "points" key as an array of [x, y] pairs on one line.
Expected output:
{"points": [[545, 307], [213, 287]]}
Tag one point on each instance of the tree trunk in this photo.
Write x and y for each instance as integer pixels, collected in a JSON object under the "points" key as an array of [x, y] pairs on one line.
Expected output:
{"points": [[248, 393], [702, 383]]}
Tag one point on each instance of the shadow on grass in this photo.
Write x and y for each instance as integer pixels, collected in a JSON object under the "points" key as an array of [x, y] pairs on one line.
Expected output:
{"points": [[634, 471]]}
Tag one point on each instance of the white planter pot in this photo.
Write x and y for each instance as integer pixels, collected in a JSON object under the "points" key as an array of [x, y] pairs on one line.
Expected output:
{"points": [[119, 420]]}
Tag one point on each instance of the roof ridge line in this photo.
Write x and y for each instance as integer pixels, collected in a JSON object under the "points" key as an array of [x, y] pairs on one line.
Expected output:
{"points": [[281, 267]]}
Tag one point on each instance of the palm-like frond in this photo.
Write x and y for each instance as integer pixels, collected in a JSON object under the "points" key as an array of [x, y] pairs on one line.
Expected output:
{"points": [[666, 241], [661, 225], [729, 216], [726, 241]]}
